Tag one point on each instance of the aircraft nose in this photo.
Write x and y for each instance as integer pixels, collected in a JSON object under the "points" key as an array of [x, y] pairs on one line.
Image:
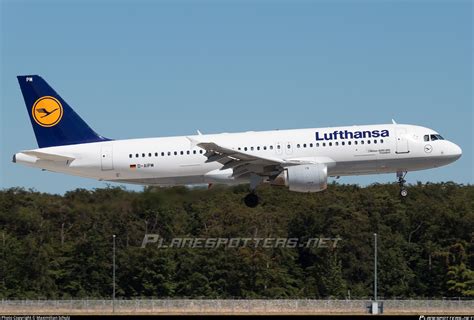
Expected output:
{"points": [[456, 151]]}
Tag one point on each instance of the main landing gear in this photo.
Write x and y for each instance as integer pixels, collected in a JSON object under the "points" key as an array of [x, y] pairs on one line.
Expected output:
{"points": [[251, 200], [401, 182]]}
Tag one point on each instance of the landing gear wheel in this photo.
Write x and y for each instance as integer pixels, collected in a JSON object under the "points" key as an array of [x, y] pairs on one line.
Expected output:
{"points": [[251, 200], [403, 192], [401, 183]]}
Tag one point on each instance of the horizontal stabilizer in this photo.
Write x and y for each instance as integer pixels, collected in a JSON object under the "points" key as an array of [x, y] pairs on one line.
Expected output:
{"points": [[48, 156]]}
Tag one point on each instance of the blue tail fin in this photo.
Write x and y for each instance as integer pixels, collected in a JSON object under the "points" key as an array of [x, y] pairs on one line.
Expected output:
{"points": [[55, 123]]}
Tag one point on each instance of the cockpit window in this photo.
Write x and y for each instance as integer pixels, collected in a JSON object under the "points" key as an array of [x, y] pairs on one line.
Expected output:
{"points": [[435, 137], [426, 137]]}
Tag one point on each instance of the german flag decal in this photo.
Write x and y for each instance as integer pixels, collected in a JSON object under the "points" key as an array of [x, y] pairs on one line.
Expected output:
{"points": [[133, 166]]}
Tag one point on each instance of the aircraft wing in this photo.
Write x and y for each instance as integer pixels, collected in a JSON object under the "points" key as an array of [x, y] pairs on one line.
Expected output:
{"points": [[47, 156], [244, 163]]}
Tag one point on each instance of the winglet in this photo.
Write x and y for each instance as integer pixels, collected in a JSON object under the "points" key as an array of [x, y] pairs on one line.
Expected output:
{"points": [[194, 142], [199, 132], [393, 121]]}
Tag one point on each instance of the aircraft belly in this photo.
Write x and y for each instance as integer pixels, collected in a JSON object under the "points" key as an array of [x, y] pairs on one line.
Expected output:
{"points": [[360, 167], [165, 181]]}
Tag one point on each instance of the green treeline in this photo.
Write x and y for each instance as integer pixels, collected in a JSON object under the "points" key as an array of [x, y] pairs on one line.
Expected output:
{"points": [[56, 246]]}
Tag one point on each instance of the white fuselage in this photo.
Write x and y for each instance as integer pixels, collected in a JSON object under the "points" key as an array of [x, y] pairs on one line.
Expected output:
{"points": [[176, 161]]}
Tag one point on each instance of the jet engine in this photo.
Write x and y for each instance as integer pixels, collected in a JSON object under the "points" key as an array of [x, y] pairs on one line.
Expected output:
{"points": [[303, 178]]}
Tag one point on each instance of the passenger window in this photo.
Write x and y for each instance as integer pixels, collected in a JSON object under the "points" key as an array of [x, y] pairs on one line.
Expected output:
{"points": [[169, 153], [130, 155], [349, 143], [175, 153], [181, 152], [317, 144], [162, 154], [375, 141], [337, 143], [200, 151], [136, 156], [381, 140], [264, 147], [355, 142], [324, 144], [288, 146], [149, 154], [251, 148], [330, 144], [362, 142], [278, 146], [143, 155], [368, 141], [258, 148], [194, 151], [298, 145], [304, 145], [245, 149], [187, 152], [310, 145], [343, 143]]}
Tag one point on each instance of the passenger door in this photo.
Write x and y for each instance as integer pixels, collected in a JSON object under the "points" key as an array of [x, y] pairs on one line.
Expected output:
{"points": [[106, 157], [402, 141]]}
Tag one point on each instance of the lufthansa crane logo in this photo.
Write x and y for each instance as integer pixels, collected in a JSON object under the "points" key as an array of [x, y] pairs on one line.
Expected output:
{"points": [[47, 111]]}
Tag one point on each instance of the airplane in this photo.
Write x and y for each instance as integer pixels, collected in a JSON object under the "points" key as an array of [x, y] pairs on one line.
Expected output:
{"points": [[299, 159]]}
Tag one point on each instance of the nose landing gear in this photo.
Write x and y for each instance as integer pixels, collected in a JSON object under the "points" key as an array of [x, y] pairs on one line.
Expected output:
{"points": [[401, 182], [403, 192]]}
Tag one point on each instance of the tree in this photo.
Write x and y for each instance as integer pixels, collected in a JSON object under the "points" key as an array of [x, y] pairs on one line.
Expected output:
{"points": [[60, 246]]}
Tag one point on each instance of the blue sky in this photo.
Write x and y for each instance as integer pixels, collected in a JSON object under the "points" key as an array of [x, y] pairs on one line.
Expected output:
{"points": [[160, 68]]}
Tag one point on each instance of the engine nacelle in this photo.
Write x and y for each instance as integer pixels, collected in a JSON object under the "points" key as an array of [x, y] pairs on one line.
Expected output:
{"points": [[304, 178]]}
